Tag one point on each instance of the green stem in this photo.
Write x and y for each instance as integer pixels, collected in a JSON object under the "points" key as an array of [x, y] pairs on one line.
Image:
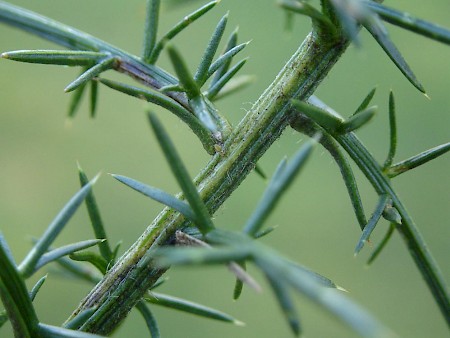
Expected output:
{"points": [[133, 274], [408, 229], [381, 183]]}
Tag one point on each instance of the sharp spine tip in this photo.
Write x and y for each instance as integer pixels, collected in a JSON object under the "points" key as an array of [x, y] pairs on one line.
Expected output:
{"points": [[96, 177]]}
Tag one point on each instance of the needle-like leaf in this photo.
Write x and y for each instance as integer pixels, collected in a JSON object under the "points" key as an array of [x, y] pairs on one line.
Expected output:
{"points": [[318, 278], [239, 284], [189, 307], [348, 12], [16, 299], [37, 287], [150, 320], [418, 160], [237, 83], [277, 186], [344, 165], [204, 222], [159, 196], [365, 103], [75, 100], [201, 256], [187, 20], [91, 73], [174, 107], [171, 88], [182, 238], [322, 117], [238, 247], [382, 244], [96, 220], [6, 249], [304, 8], [407, 21], [93, 97], [80, 271], [357, 120], [214, 89], [330, 299], [348, 176], [260, 172], [332, 122], [264, 232], [153, 97], [205, 112], [50, 331], [55, 254], [381, 36], [55, 57], [28, 265], [370, 226], [281, 291], [159, 282], [116, 250], [288, 21], [392, 134], [87, 256], [201, 74], [223, 61], [151, 28], [184, 75], [79, 318]]}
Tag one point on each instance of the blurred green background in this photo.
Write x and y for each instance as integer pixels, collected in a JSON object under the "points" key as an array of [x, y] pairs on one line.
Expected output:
{"points": [[39, 150]]}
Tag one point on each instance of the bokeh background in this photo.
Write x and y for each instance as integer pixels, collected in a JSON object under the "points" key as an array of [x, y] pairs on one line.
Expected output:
{"points": [[39, 149]]}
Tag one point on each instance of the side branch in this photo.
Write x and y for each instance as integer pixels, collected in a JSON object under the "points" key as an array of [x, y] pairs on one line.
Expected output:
{"points": [[69, 37], [413, 239]]}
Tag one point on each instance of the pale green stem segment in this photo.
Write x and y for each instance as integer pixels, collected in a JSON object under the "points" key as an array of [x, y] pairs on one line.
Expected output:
{"points": [[124, 285], [419, 251], [408, 229]]}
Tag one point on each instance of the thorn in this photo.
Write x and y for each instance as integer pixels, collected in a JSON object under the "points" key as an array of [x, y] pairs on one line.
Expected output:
{"points": [[238, 322], [340, 288], [182, 238], [244, 276], [96, 177]]}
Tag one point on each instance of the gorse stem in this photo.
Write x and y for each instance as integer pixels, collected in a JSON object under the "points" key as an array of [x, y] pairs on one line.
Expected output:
{"points": [[134, 274], [129, 281]]}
